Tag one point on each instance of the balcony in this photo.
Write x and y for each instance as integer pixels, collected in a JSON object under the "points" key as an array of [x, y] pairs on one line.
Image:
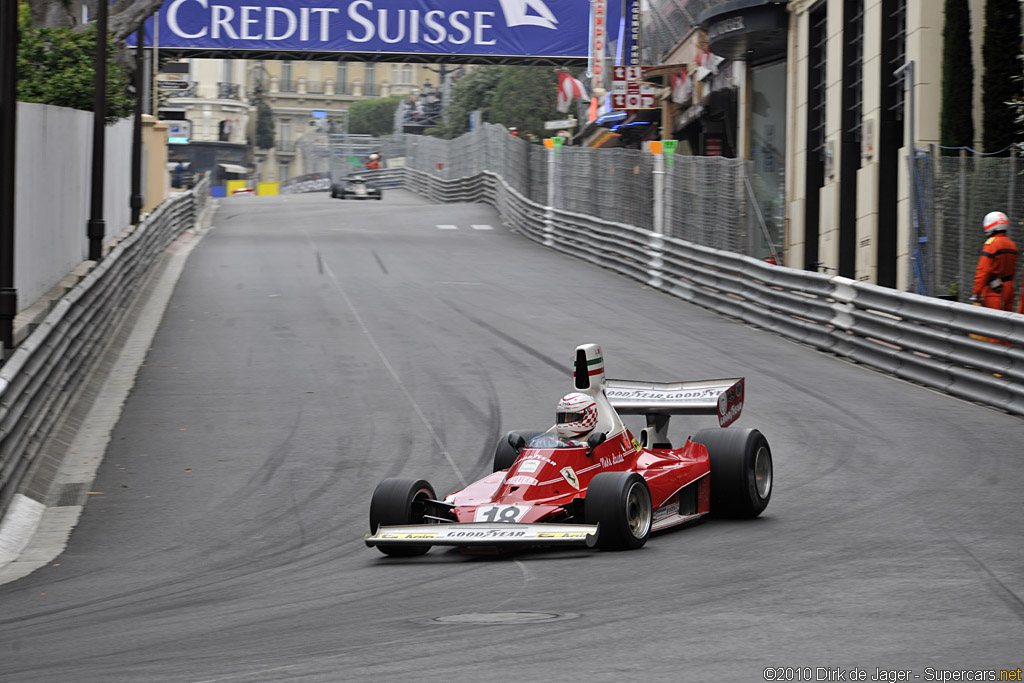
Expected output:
{"points": [[227, 91], [285, 147], [315, 87]]}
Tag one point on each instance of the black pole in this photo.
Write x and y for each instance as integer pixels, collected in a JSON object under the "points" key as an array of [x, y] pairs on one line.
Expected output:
{"points": [[136, 201], [8, 139], [97, 226]]}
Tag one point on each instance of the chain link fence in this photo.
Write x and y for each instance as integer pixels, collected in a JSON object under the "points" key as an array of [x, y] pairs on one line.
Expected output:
{"points": [[954, 194], [710, 201]]}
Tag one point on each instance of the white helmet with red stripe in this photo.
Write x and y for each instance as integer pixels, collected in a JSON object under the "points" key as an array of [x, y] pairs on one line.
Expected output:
{"points": [[576, 415], [995, 222]]}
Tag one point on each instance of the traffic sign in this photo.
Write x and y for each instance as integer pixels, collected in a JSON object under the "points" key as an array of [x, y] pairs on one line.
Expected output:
{"points": [[179, 132], [560, 123], [167, 84]]}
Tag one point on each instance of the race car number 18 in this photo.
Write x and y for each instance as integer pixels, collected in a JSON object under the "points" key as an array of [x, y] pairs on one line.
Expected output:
{"points": [[500, 513]]}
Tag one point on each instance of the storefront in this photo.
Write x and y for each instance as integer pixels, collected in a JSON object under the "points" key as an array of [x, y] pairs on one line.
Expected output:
{"points": [[751, 35]]}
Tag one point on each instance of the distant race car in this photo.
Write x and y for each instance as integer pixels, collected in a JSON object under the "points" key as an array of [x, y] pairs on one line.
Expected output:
{"points": [[610, 491], [355, 187], [243, 192]]}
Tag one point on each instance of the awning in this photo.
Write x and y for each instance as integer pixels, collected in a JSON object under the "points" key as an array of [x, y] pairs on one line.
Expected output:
{"points": [[233, 168]]}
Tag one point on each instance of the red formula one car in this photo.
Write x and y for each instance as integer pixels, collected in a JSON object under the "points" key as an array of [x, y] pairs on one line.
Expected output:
{"points": [[610, 491]]}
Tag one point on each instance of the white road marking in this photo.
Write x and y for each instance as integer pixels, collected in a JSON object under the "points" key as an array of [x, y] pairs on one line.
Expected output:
{"points": [[447, 227], [387, 365], [481, 227]]}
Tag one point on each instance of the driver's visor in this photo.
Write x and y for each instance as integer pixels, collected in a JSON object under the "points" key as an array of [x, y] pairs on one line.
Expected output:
{"points": [[566, 418]]}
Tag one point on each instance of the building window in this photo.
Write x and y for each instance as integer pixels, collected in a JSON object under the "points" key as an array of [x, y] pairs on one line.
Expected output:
{"points": [[286, 77], [370, 79], [284, 172], [853, 78], [407, 74], [895, 24], [341, 87], [816, 84]]}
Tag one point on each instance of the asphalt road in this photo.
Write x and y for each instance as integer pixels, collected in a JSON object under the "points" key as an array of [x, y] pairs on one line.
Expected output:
{"points": [[313, 347]]}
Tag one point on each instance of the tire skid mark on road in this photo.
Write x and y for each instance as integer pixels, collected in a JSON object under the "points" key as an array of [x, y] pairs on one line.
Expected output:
{"points": [[511, 339], [387, 364]]}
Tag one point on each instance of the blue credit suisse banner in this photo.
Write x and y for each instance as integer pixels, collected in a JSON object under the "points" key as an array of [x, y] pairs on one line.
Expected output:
{"points": [[550, 28]]}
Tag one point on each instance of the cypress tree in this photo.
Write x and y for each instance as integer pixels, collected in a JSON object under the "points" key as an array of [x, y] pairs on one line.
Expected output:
{"points": [[957, 122], [999, 85]]}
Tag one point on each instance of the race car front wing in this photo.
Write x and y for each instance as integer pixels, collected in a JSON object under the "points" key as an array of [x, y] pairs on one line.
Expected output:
{"points": [[486, 534]]}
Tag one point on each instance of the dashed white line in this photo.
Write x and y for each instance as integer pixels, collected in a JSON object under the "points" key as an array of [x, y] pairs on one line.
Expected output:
{"points": [[481, 227], [447, 227]]}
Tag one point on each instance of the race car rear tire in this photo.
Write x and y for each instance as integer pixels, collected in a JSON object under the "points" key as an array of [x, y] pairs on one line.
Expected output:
{"points": [[741, 471], [620, 502], [395, 502]]}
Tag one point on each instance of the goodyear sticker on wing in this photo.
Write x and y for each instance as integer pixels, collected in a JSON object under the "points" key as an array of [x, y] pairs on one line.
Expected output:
{"points": [[730, 404]]}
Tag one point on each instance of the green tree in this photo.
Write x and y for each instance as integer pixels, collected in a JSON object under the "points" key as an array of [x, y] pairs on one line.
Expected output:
{"points": [[514, 96], [472, 92], [264, 124], [55, 66], [999, 85], [374, 116], [957, 121]]}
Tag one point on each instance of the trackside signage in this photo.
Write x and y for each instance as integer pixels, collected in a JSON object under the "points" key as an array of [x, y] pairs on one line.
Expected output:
{"points": [[551, 28]]}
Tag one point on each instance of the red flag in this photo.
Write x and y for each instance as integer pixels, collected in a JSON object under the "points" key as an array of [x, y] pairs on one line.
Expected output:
{"points": [[569, 88]]}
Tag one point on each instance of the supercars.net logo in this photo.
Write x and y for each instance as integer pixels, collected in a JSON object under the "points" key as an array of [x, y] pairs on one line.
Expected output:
{"points": [[528, 13]]}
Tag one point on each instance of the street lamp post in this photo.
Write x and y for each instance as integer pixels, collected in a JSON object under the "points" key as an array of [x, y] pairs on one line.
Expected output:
{"points": [[97, 226], [8, 140], [136, 199]]}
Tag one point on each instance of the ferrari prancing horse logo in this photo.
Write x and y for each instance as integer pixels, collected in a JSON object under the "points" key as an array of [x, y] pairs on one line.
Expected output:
{"points": [[570, 476]]}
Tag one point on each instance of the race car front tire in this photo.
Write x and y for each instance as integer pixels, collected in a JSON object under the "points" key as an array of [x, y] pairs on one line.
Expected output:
{"points": [[398, 502], [741, 471], [620, 502]]}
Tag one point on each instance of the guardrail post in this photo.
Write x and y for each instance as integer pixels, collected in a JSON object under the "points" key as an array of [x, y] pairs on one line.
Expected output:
{"points": [[549, 210], [659, 186]]}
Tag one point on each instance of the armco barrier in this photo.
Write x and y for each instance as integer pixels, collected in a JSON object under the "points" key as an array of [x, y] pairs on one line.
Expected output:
{"points": [[42, 374], [942, 344]]}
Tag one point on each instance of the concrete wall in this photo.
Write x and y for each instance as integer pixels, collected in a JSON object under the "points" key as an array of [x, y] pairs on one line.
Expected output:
{"points": [[53, 189]]}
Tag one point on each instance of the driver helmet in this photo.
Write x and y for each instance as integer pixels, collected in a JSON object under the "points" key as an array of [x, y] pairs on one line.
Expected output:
{"points": [[374, 157], [994, 222], [576, 415]]}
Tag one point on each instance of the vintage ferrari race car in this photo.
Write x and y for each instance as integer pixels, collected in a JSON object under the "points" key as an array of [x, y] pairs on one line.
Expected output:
{"points": [[610, 491]]}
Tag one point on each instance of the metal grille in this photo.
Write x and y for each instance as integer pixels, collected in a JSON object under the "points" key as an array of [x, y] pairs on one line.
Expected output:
{"points": [[706, 200], [896, 22], [666, 22], [962, 190], [854, 76], [817, 82]]}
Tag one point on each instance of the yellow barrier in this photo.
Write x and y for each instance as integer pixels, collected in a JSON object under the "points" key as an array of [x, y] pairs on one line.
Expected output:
{"points": [[263, 189], [233, 185]]}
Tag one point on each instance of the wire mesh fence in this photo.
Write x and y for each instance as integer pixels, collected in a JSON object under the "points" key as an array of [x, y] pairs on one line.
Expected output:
{"points": [[954, 194], [711, 201], [706, 203]]}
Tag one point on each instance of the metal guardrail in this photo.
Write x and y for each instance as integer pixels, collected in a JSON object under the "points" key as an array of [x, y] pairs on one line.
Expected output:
{"points": [[40, 378], [971, 352]]}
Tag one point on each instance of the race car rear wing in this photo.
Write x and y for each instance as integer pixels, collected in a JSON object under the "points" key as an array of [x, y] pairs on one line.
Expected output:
{"points": [[721, 397]]}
